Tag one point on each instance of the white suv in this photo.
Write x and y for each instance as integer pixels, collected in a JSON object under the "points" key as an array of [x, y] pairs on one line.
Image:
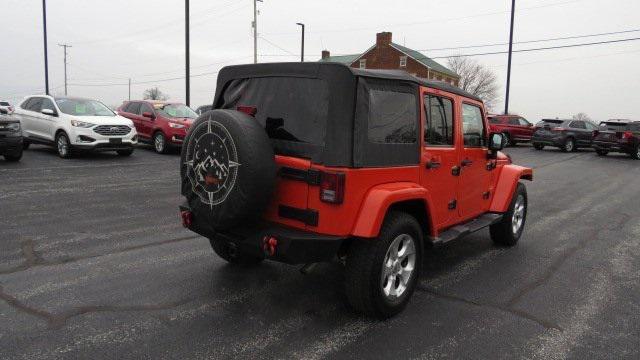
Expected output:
{"points": [[71, 124]]}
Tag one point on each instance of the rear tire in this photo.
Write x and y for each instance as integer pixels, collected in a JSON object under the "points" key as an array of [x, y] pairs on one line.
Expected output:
{"points": [[509, 230], [127, 152], [381, 274], [507, 140], [636, 154], [25, 144], [538, 146], [601, 152], [231, 255], [569, 145]]}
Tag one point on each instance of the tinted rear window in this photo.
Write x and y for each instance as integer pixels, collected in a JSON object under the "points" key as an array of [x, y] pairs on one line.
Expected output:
{"points": [[290, 109], [615, 126], [4, 103]]}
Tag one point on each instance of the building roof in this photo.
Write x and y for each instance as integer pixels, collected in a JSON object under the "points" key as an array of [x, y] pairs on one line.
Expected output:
{"points": [[416, 55], [425, 60]]}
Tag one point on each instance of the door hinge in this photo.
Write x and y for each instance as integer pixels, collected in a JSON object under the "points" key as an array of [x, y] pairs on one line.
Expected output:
{"points": [[453, 204]]}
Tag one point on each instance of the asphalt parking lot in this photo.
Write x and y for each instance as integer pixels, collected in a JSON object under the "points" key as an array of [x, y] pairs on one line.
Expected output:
{"points": [[95, 264]]}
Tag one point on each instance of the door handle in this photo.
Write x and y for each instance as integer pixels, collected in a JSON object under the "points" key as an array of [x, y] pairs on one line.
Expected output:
{"points": [[455, 171], [466, 162], [433, 164]]}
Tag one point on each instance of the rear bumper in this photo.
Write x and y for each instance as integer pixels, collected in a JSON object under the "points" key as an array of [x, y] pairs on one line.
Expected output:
{"points": [[557, 141], [613, 146], [293, 246]]}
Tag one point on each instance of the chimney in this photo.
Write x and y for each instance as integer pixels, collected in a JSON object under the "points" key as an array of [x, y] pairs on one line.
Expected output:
{"points": [[383, 39], [325, 54]]}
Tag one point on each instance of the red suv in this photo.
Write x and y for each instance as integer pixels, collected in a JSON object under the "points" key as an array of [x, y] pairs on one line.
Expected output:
{"points": [[308, 162], [515, 128], [163, 124]]}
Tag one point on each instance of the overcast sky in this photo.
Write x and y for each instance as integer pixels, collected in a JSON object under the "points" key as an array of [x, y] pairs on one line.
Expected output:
{"points": [[144, 40]]}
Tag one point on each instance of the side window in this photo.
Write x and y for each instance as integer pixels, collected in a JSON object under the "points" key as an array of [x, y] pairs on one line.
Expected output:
{"points": [[578, 125], [494, 120], [514, 121], [523, 122], [590, 126], [439, 128], [133, 108], [393, 117], [473, 126], [48, 104], [35, 104], [25, 104], [403, 61], [145, 108]]}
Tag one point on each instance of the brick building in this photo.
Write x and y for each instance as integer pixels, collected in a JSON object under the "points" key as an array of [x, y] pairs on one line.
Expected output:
{"points": [[388, 55]]}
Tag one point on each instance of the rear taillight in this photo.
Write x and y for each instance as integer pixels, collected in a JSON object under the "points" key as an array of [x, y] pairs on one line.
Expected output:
{"points": [[627, 135], [595, 133], [332, 187], [249, 110], [558, 129]]}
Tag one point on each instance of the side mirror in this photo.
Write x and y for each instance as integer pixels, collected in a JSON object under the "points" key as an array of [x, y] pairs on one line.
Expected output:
{"points": [[496, 142], [48, 112], [148, 115]]}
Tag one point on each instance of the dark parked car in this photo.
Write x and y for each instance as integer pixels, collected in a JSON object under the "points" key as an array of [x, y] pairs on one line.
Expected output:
{"points": [[10, 137], [203, 109], [618, 136], [568, 135], [515, 128]]}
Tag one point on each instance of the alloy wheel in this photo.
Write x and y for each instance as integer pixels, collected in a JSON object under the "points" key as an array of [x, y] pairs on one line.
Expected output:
{"points": [[398, 267], [568, 146], [518, 215], [63, 145], [158, 142]]}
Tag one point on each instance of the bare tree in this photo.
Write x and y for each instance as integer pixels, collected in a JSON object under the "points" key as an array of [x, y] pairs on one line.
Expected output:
{"points": [[581, 116], [154, 94], [476, 79]]}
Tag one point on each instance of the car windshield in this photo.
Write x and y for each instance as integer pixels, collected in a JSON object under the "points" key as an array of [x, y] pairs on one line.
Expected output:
{"points": [[81, 107], [176, 111]]}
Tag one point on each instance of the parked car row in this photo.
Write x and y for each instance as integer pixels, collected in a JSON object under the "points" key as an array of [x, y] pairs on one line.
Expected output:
{"points": [[621, 136], [73, 124]]}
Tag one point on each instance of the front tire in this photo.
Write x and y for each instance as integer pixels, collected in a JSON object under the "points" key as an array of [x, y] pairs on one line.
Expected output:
{"points": [[538, 146], [160, 143], [231, 254], [569, 145], [507, 140], [63, 145], [509, 230], [13, 157], [381, 274], [601, 152]]}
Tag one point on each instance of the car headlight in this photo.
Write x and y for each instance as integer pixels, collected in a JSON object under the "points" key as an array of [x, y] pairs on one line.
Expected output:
{"points": [[13, 126], [81, 124], [176, 126]]}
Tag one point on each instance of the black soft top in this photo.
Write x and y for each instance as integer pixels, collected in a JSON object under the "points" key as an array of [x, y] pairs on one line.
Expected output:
{"points": [[339, 109]]}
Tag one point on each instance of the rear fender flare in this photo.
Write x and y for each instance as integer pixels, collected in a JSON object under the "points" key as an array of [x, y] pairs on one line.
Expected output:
{"points": [[508, 179], [379, 199]]}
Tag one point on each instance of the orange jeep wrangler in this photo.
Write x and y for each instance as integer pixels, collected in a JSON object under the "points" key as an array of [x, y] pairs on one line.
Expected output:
{"points": [[309, 162]]}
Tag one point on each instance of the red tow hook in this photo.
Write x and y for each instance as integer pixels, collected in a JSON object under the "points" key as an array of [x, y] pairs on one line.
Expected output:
{"points": [[187, 218], [269, 244]]}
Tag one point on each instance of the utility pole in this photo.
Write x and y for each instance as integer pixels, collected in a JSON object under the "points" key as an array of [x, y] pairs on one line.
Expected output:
{"points": [[186, 34], [255, 31], [65, 46], [46, 59], [129, 89], [302, 46], [506, 100]]}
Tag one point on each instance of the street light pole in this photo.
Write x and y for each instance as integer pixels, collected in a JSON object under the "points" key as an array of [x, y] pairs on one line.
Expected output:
{"points": [[46, 59], [506, 100], [255, 31], [186, 35], [302, 50], [65, 46]]}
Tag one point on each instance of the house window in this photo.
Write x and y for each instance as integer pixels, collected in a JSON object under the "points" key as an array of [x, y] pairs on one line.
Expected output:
{"points": [[363, 63], [403, 61]]}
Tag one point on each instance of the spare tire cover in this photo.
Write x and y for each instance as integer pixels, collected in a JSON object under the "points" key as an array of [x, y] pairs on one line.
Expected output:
{"points": [[227, 168]]}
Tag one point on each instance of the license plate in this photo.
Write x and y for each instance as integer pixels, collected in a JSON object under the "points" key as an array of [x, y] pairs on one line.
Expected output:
{"points": [[115, 141]]}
